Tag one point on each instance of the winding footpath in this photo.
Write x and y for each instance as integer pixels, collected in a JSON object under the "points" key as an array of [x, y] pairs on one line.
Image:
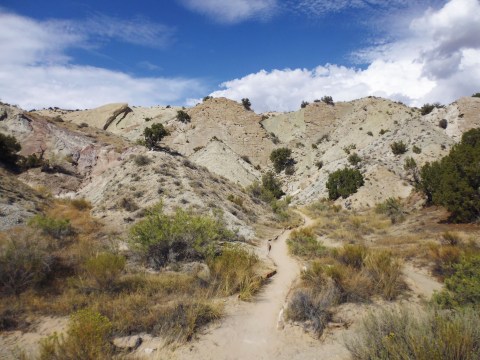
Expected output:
{"points": [[255, 330]]}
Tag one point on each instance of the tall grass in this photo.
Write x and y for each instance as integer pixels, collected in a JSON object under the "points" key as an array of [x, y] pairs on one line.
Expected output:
{"points": [[407, 333], [234, 271], [304, 243]]}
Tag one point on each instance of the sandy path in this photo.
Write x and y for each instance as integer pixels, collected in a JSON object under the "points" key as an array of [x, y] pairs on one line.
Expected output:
{"points": [[420, 281], [255, 330]]}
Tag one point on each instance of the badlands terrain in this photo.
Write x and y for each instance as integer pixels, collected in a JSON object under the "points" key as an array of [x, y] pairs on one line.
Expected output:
{"points": [[96, 189]]}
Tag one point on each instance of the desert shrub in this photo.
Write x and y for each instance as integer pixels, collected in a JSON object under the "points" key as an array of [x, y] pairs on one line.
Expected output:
{"points": [[352, 255], [462, 287], [398, 147], [392, 208], [319, 164], [154, 134], [443, 123], [369, 133], [246, 104], [386, 273], [416, 149], [328, 100], [476, 95], [281, 158], [383, 131], [271, 187], [56, 228], [304, 243], [81, 204], [183, 116], [312, 308], [274, 138], [304, 104], [343, 183], [235, 199], [444, 258], [354, 159], [142, 160], [234, 271], [407, 333], [24, 262], [450, 238], [9, 146], [290, 170], [182, 236], [87, 338], [349, 148], [453, 181], [104, 269], [410, 165], [428, 108], [128, 204]]}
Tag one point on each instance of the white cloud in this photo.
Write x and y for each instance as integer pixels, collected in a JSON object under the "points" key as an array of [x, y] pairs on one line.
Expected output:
{"points": [[36, 72], [437, 59], [232, 11]]}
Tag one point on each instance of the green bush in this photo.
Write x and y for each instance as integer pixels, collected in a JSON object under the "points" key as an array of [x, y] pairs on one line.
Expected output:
{"points": [[428, 108], [407, 333], [393, 209], [304, 243], [183, 116], [182, 236], [56, 228], [462, 288], [281, 158], [476, 95], [9, 147], [24, 263], [246, 104], [104, 269], [343, 183], [270, 189], [154, 134], [416, 149], [328, 100], [354, 159], [87, 339], [398, 147], [454, 180]]}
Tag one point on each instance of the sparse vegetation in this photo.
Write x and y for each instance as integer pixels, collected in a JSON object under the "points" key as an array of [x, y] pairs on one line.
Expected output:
{"points": [[443, 123], [281, 159], [416, 149], [142, 160], [383, 131], [304, 104], [183, 116], [343, 183], [398, 147], [428, 108], [319, 164], [369, 133], [476, 95], [154, 134]]}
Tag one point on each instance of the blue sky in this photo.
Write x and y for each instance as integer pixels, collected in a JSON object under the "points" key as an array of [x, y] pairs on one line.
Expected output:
{"points": [[80, 54]]}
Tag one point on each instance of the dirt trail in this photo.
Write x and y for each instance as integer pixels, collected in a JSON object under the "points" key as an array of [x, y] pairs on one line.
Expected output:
{"points": [[256, 330]]}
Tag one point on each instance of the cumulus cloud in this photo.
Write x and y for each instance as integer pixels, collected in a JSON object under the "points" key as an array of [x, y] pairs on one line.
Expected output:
{"points": [[232, 11], [36, 72], [437, 59]]}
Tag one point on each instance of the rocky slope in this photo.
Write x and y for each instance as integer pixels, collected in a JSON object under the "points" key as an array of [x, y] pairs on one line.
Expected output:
{"points": [[235, 143]]}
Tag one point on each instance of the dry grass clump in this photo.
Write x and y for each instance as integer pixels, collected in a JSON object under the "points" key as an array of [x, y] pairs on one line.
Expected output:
{"points": [[87, 338], [407, 333], [353, 273], [234, 271]]}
